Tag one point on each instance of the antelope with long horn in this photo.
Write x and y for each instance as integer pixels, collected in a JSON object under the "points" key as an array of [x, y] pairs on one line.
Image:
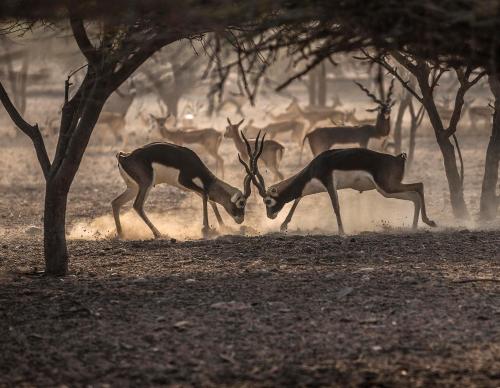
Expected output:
{"points": [[272, 153], [180, 167], [322, 139], [351, 168]]}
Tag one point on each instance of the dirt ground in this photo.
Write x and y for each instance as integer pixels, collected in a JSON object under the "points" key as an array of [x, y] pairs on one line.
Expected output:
{"points": [[384, 306]]}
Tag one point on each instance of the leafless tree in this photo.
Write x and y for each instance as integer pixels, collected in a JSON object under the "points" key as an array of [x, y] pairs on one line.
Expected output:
{"points": [[427, 75]]}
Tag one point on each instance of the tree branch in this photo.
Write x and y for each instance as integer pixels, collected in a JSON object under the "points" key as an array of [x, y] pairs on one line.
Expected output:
{"points": [[32, 131], [82, 40]]}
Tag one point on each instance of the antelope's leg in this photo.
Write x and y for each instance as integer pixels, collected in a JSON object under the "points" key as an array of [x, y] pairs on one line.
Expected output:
{"points": [[206, 226], [284, 225], [118, 202], [412, 196], [417, 188], [217, 214], [332, 191], [139, 208]]}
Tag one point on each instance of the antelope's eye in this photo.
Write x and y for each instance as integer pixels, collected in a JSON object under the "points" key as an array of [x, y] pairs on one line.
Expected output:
{"points": [[273, 190]]}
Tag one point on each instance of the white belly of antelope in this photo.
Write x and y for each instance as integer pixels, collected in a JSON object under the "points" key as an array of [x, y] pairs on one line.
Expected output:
{"points": [[168, 175], [356, 179], [314, 186]]}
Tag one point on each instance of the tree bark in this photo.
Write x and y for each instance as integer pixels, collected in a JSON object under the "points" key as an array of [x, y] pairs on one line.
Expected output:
{"points": [[55, 248], [489, 200], [457, 200], [398, 125]]}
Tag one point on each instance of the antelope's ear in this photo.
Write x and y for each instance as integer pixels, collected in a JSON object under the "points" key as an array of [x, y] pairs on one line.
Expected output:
{"points": [[235, 197]]}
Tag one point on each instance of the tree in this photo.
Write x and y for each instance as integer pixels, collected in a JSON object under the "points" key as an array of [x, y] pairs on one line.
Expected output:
{"points": [[116, 43], [427, 76], [488, 206]]}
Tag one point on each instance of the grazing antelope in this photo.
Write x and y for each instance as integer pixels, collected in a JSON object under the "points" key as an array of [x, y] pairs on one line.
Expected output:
{"points": [[272, 152], [208, 138], [322, 139], [180, 167], [351, 168]]}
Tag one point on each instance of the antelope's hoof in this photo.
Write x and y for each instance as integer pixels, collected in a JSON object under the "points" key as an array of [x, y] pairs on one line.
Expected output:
{"points": [[284, 228], [208, 232], [431, 223]]}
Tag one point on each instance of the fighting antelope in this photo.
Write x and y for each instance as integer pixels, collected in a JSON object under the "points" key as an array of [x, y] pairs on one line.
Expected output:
{"points": [[322, 139], [272, 152], [180, 167], [209, 138], [351, 168]]}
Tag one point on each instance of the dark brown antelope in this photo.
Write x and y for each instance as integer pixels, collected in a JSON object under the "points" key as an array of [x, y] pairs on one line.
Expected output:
{"points": [[351, 168], [272, 152], [322, 139], [180, 167], [209, 138]]}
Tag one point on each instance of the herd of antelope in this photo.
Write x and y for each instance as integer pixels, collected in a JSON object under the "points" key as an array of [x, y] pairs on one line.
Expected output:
{"points": [[330, 170]]}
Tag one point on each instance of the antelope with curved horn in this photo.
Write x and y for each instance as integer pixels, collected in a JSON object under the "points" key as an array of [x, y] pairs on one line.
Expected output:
{"points": [[351, 168], [272, 153], [322, 139], [180, 167]]}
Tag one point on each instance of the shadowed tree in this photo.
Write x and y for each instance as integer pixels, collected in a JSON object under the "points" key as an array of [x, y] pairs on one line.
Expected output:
{"points": [[116, 38], [116, 41]]}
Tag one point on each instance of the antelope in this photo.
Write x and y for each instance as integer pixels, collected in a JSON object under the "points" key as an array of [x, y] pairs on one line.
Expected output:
{"points": [[295, 127], [480, 114], [350, 116], [322, 139], [272, 152], [208, 138], [315, 115], [350, 168], [178, 166], [114, 123]]}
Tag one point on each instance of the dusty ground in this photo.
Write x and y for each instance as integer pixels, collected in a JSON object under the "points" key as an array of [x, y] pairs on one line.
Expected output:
{"points": [[387, 307]]}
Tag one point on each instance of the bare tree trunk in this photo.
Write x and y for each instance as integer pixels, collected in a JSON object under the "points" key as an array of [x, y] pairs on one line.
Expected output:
{"points": [[489, 199], [322, 86], [55, 248], [398, 125], [454, 181], [411, 145]]}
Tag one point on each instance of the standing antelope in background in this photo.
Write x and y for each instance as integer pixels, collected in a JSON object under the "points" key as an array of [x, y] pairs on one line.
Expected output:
{"points": [[351, 168], [272, 152], [209, 138], [322, 139], [180, 167], [295, 127]]}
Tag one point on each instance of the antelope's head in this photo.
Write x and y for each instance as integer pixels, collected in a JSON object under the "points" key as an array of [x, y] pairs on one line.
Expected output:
{"points": [[271, 197], [232, 129]]}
